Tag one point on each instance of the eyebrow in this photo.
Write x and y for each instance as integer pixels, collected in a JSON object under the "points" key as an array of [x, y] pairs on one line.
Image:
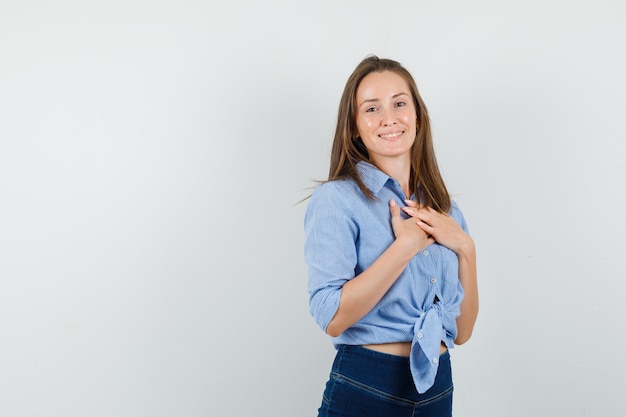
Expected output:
{"points": [[369, 100]]}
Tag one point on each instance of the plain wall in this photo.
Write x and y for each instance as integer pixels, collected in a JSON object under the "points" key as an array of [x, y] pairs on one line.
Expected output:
{"points": [[152, 155]]}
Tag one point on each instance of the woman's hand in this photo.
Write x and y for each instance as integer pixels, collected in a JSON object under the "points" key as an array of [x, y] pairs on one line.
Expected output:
{"points": [[447, 232], [443, 228], [408, 230]]}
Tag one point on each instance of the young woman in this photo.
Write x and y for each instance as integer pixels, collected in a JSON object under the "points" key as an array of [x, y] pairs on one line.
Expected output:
{"points": [[392, 269]]}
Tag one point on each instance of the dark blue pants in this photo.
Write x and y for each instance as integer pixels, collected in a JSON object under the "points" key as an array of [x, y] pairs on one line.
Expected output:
{"points": [[366, 383]]}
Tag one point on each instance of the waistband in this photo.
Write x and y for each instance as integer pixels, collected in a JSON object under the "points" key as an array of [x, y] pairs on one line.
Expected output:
{"points": [[388, 373]]}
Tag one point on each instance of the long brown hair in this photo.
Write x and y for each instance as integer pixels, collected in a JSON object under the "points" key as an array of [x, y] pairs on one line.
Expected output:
{"points": [[348, 149]]}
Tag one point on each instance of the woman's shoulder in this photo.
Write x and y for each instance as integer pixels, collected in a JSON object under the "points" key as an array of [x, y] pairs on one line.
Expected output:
{"points": [[333, 196], [335, 188]]}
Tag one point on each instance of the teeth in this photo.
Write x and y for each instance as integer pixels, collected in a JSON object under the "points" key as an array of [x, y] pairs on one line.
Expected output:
{"points": [[390, 135]]}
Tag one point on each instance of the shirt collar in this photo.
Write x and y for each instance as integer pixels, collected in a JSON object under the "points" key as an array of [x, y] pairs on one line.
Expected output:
{"points": [[373, 178]]}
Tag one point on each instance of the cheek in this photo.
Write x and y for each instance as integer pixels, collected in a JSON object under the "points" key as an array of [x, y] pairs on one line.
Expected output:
{"points": [[410, 120], [371, 123], [409, 117], [364, 125]]}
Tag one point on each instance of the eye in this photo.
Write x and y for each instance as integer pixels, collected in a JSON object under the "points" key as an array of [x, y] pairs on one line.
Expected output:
{"points": [[400, 104], [371, 109]]}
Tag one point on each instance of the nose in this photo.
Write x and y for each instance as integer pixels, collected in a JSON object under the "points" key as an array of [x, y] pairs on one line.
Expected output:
{"points": [[388, 118]]}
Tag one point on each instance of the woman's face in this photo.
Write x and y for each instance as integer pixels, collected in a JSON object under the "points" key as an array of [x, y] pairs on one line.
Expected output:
{"points": [[386, 118]]}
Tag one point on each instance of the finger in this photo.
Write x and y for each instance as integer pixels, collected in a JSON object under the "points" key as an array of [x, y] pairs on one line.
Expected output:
{"points": [[418, 213], [395, 211], [429, 230], [411, 203], [393, 207]]}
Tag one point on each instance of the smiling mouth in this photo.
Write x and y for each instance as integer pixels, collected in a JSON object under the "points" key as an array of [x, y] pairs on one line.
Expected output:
{"points": [[390, 135]]}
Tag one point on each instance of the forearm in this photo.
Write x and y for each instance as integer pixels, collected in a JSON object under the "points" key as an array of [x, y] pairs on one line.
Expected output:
{"points": [[362, 293], [469, 306]]}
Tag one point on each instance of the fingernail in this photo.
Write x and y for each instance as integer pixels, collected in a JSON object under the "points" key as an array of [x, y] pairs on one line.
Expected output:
{"points": [[392, 203]]}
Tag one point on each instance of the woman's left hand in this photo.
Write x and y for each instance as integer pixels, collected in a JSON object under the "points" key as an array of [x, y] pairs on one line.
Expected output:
{"points": [[443, 228]]}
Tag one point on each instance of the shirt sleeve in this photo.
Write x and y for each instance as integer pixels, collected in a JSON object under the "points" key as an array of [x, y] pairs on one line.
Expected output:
{"points": [[329, 249], [454, 304], [457, 215]]}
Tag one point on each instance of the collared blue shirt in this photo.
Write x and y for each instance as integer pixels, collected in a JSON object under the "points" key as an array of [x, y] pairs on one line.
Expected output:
{"points": [[345, 233]]}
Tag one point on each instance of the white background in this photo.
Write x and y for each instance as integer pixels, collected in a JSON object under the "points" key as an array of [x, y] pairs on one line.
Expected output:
{"points": [[153, 153]]}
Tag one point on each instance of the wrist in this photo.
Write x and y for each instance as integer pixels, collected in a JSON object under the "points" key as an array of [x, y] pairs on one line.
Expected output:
{"points": [[467, 248], [405, 248]]}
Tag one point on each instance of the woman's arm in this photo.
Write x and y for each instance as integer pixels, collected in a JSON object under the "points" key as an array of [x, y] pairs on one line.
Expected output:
{"points": [[362, 293], [469, 306], [447, 232]]}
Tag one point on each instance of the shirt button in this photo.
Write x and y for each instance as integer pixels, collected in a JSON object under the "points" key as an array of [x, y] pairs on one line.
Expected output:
{"points": [[420, 335], [422, 314], [433, 280], [425, 253], [435, 360]]}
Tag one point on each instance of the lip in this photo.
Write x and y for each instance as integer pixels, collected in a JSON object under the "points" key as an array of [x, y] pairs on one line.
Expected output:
{"points": [[391, 135]]}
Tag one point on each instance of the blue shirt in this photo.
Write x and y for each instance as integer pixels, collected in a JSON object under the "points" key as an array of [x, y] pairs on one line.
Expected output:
{"points": [[345, 234]]}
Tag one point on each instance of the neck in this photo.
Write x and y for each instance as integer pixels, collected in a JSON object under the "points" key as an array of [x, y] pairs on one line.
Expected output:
{"points": [[399, 169]]}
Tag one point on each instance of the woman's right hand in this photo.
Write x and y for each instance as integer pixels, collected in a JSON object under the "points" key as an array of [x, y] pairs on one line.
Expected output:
{"points": [[360, 294], [408, 231]]}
